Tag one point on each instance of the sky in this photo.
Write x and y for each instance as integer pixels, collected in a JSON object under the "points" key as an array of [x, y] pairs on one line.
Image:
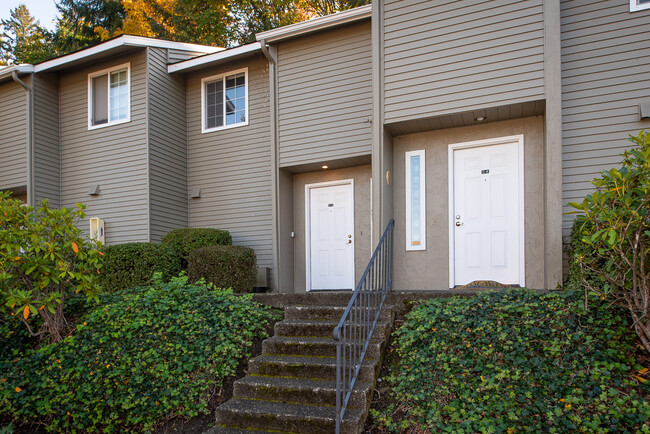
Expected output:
{"points": [[43, 10]]}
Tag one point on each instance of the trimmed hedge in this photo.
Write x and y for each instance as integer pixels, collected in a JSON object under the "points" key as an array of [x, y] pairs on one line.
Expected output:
{"points": [[133, 264], [515, 361], [226, 266], [185, 240], [138, 359]]}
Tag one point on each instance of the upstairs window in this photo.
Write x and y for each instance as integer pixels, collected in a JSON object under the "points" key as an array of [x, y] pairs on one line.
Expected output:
{"points": [[109, 100], [637, 5], [224, 100]]}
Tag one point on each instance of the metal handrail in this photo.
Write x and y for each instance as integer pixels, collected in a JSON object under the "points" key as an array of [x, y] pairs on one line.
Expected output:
{"points": [[354, 331]]}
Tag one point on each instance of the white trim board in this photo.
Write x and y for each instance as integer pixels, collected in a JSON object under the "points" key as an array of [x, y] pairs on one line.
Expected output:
{"points": [[519, 139], [308, 188]]}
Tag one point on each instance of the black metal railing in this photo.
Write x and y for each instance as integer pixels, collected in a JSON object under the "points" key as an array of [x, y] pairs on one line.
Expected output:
{"points": [[355, 329]]}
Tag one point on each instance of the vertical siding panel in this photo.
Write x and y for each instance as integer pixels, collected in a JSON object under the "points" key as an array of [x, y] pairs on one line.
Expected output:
{"points": [[168, 191], [325, 95], [115, 157], [47, 176], [452, 56], [605, 64], [13, 143], [233, 166]]}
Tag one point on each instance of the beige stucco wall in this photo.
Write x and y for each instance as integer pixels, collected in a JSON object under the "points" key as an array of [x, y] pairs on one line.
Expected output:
{"points": [[362, 248], [429, 269]]}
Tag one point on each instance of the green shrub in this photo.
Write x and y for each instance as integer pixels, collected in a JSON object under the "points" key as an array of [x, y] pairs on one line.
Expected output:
{"points": [[43, 254], [185, 240], [226, 266], [515, 361], [616, 223], [143, 356], [133, 264], [579, 249]]}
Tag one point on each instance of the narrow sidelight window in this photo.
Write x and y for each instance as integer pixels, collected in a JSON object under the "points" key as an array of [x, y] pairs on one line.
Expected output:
{"points": [[109, 97], [225, 101], [415, 201]]}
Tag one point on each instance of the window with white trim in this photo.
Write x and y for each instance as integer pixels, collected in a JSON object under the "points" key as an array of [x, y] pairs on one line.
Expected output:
{"points": [[415, 201], [638, 5], [224, 100], [109, 96]]}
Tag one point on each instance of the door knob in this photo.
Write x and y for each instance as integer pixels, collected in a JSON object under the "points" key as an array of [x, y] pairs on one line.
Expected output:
{"points": [[349, 242], [458, 223]]}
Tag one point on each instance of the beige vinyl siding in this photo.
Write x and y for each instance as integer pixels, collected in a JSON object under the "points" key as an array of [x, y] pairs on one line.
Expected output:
{"points": [[13, 143], [605, 75], [325, 96], [448, 56], [167, 148], [115, 157], [233, 166], [47, 176]]}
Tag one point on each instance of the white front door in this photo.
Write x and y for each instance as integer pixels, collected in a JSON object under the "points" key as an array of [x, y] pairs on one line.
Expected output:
{"points": [[330, 237], [486, 226]]}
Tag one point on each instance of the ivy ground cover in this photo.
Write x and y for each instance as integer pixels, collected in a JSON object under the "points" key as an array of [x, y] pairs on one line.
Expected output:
{"points": [[139, 358], [515, 361]]}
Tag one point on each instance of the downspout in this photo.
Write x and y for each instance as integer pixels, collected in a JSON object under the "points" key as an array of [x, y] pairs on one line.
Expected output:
{"points": [[274, 162], [30, 147]]}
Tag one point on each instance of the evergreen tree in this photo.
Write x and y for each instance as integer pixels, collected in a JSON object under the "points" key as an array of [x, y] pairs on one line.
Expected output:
{"points": [[87, 22], [23, 38]]}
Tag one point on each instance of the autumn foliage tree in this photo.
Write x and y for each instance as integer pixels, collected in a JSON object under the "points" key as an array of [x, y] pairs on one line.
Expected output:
{"points": [[43, 257]]}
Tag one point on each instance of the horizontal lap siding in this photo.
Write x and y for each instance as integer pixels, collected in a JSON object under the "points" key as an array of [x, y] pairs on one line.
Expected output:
{"points": [[13, 143], [325, 96], [605, 75], [233, 166], [174, 56], [167, 147], [453, 56], [115, 157], [47, 175]]}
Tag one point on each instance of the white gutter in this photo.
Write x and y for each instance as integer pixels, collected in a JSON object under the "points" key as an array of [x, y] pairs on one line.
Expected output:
{"points": [[8, 71], [124, 40], [315, 24], [215, 57]]}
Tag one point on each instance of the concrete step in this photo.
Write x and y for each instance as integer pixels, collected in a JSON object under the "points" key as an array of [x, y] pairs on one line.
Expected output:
{"points": [[296, 418], [314, 298], [308, 346], [229, 430], [314, 328], [299, 390], [327, 313], [323, 368]]}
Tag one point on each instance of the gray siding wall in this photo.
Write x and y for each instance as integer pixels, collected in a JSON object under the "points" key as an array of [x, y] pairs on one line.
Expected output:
{"points": [[605, 75], [47, 174], [168, 192], [115, 157], [325, 96], [233, 166], [448, 56], [13, 142]]}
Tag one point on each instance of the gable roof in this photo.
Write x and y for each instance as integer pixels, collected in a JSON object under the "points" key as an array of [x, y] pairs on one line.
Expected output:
{"points": [[116, 45]]}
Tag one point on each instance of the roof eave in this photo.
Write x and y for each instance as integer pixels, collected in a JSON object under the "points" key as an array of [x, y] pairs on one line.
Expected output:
{"points": [[222, 56], [315, 24]]}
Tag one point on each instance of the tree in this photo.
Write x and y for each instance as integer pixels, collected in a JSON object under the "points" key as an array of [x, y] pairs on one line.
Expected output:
{"points": [[615, 223], [326, 7], [24, 40], [255, 16], [42, 256], [86, 22]]}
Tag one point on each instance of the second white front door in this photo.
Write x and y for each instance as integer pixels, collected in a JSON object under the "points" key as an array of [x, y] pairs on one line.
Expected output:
{"points": [[486, 222], [330, 231]]}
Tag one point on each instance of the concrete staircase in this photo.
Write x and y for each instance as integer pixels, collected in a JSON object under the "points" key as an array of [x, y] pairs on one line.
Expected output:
{"points": [[291, 387]]}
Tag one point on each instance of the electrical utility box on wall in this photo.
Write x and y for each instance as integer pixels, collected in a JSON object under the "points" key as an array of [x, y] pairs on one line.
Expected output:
{"points": [[97, 229]]}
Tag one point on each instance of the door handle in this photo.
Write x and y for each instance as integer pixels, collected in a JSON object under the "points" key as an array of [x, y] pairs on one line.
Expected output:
{"points": [[458, 223]]}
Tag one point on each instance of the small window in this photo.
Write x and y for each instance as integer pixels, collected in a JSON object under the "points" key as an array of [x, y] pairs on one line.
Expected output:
{"points": [[109, 97], [225, 101], [637, 5], [415, 201]]}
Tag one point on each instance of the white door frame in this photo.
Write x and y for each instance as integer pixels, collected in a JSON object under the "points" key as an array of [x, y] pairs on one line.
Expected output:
{"points": [[519, 139], [308, 188]]}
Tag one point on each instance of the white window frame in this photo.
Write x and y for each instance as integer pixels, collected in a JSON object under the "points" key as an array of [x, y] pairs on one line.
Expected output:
{"points": [[423, 204], [223, 76], [107, 71], [636, 6]]}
